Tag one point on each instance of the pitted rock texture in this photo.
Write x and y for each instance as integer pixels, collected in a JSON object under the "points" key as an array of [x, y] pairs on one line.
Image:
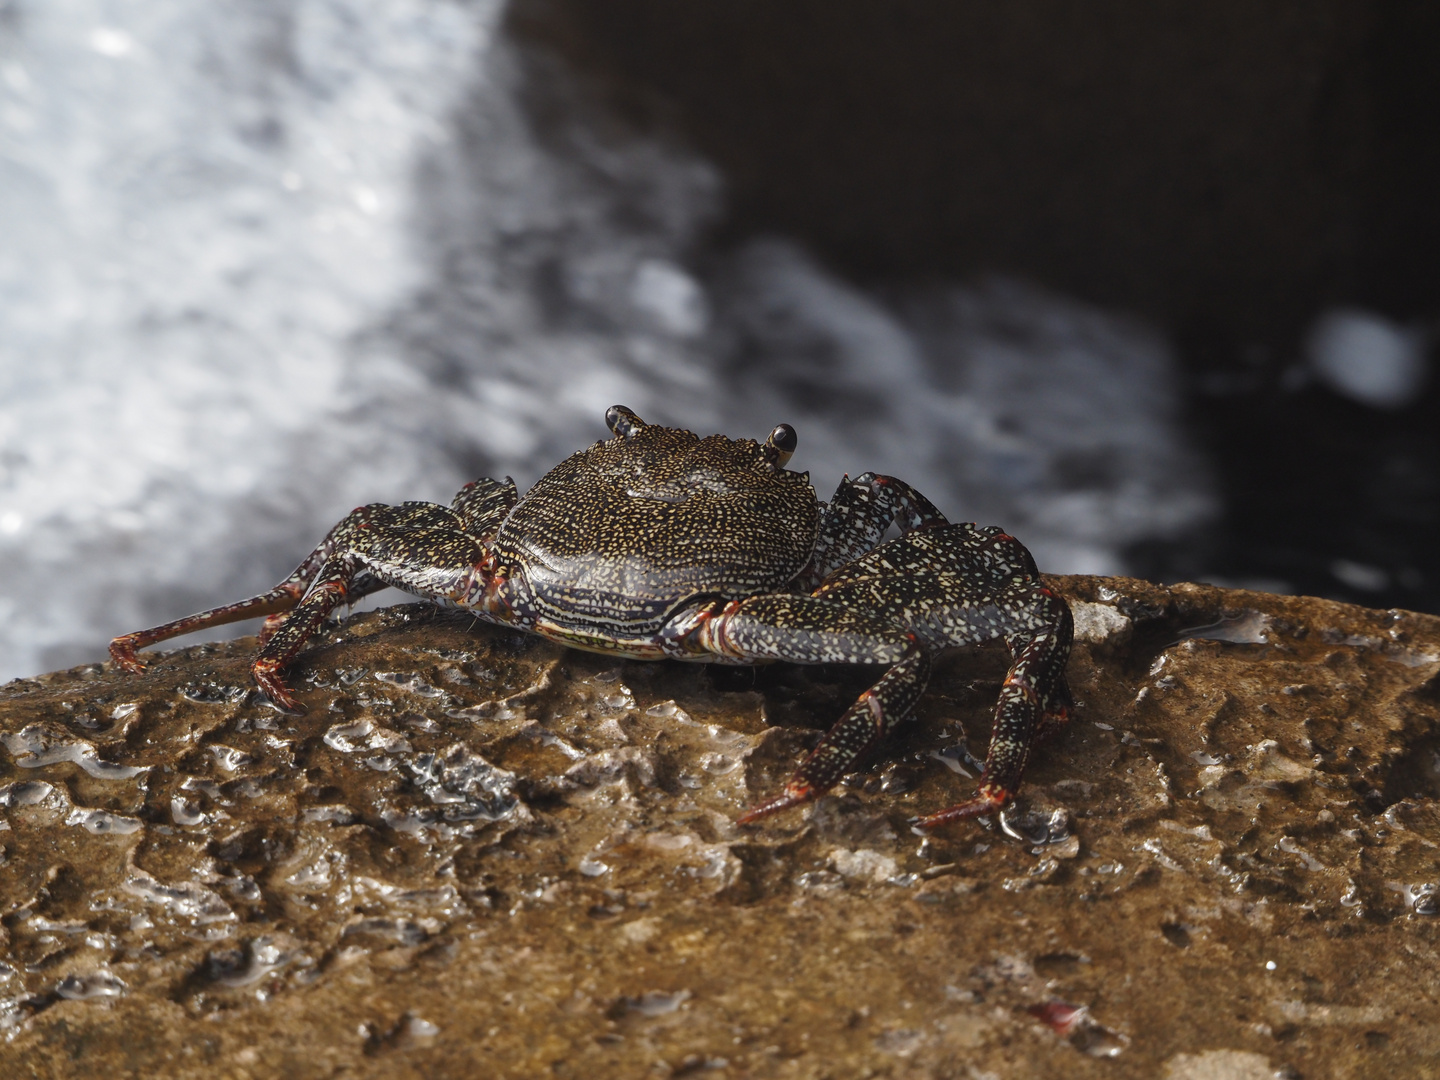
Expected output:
{"points": [[482, 854]]}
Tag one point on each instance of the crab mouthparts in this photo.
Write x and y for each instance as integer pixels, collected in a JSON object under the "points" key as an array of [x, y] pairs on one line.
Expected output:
{"points": [[483, 589]]}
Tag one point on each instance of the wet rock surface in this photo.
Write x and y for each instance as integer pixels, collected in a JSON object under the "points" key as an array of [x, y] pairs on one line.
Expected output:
{"points": [[480, 851]]}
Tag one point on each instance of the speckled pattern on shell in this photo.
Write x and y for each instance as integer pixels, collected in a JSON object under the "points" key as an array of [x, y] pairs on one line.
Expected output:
{"points": [[623, 532]]}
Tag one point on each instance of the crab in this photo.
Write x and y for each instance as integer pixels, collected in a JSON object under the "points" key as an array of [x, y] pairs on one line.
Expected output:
{"points": [[657, 544]]}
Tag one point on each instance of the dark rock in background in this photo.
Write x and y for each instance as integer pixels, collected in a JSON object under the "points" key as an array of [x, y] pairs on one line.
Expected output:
{"points": [[483, 854], [1231, 170], [1232, 163]]}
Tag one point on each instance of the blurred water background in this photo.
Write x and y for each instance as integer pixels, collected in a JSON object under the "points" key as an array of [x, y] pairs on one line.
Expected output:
{"points": [[264, 261]]}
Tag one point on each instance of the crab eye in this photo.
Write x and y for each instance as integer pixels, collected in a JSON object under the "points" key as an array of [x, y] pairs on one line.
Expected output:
{"points": [[782, 441], [622, 421]]}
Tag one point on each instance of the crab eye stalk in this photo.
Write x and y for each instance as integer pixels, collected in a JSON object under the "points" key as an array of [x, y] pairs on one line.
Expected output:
{"points": [[622, 421], [782, 443]]}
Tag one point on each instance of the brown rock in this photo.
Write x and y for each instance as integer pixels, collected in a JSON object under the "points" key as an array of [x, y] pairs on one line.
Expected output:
{"points": [[481, 854]]}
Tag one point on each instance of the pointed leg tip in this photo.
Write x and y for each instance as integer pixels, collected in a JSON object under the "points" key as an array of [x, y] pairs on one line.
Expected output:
{"points": [[122, 655], [930, 822], [971, 808], [284, 704], [791, 796], [281, 700]]}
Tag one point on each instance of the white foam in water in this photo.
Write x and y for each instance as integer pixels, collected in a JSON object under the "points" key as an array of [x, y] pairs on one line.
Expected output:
{"points": [[1368, 358], [266, 262], [1004, 403]]}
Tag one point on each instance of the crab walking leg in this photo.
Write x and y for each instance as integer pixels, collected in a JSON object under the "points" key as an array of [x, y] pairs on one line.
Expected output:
{"points": [[857, 516], [439, 563], [807, 630], [361, 587], [853, 739], [478, 508], [482, 505], [957, 585], [1032, 703], [278, 600], [332, 590]]}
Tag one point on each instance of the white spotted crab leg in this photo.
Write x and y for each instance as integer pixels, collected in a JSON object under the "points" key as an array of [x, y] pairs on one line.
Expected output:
{"points": [[927, 590]]}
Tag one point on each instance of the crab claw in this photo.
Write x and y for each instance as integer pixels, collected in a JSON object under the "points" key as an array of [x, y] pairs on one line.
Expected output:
{"points": [[122, 652], [267, 677], [793, 795]]}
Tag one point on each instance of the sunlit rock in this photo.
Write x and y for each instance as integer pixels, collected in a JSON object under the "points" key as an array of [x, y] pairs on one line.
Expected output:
{"points": [[536, 870]]}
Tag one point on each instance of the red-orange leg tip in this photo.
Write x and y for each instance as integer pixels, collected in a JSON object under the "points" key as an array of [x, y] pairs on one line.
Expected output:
{"points": [[122, 652], [793, 795], [979, 806], [267, 677]]}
